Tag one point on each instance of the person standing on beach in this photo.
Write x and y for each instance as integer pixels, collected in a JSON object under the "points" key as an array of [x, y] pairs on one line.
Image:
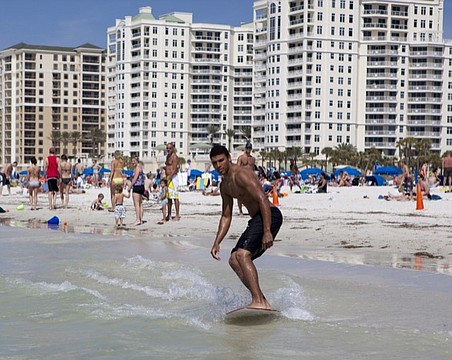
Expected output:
{"points": [[116, 178], [7, 176], [96, 169], [173, 183], [407, 178], [447, 170], [118, 201], [138, 190], [266, 219], [79, 168], [33, 183], [66, 180], [248, 161], [52, 176]]}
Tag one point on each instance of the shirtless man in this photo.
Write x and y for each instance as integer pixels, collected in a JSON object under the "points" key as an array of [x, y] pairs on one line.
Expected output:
{"points": [[79, 168], [266, 219], [66, 180], [447, 170], [116, 175], [246, 160], [171, 176], [6, 176], [33, 183]]}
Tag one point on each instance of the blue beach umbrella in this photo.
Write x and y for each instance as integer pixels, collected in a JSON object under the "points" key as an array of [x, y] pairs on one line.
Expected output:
{"points": [[128, 172], [310, 171], [388, 170], [349, 170], [88, 171]]}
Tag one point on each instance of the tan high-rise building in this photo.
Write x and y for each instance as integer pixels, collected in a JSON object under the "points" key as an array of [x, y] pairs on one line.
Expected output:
{"points": [[49, 95]]}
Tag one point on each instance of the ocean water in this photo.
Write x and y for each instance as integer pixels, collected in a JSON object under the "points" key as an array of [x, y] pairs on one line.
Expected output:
{"points": [[69, 295]]}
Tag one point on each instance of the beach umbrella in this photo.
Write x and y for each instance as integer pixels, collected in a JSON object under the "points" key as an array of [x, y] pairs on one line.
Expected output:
{"points": [[23, 173], [88, 171], [104, 170], [310, 171], [161, 147], [200, 146], [349, 170], [388, 170], [128, 172]]}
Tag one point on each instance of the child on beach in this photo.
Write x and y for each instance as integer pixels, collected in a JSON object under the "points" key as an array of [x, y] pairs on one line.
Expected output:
{"points": [[97, 204], [118, 201], [163, 199]]}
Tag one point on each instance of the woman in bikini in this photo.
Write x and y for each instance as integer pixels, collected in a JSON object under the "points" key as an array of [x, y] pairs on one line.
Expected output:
{"points": [[116, 178], [33, 183]]}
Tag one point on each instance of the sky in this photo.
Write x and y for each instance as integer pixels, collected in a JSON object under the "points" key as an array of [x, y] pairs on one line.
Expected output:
{"points": [[75, 22]]}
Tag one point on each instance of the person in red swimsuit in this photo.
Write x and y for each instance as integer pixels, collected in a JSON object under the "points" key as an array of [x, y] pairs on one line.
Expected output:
{"points": [[52, 175]]}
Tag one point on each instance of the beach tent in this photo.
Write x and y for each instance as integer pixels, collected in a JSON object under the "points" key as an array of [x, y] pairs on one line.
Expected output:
{"points": [[215, 175], [388, 170], [375, 180], [349, 170], [310, 171], [194, 173]]}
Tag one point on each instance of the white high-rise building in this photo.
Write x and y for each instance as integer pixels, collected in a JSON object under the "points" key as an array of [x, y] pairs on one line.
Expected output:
{"points": [[171, 80], [367, 73]]}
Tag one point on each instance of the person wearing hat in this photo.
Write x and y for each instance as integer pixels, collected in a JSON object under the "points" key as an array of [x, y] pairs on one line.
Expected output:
{"points": [[246, 160]]}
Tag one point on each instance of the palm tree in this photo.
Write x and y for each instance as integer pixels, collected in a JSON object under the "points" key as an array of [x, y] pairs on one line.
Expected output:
{"points": [[55, 137], [97, 136], [212, 131], [75, 138], [230, 133], [327, 151], [264, 156], [343, 154], [65, 139], [246, 132]]}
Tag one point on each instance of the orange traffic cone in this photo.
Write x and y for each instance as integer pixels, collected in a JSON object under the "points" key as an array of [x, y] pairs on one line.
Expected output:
{"points": [[275, 196], [419, 200]]}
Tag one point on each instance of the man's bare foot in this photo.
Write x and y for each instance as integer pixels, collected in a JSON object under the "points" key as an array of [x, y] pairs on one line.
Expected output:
{"points": [[260, 305]]}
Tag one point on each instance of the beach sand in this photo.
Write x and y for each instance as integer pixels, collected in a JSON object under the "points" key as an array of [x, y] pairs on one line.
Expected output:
{"points": [[346, 225]]}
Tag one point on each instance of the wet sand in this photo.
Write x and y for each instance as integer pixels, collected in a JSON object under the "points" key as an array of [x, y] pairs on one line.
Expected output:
{"points": [[347, 225]]}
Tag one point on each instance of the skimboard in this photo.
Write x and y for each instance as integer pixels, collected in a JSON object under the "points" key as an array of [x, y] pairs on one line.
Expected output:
{"points": [[249, 315]]}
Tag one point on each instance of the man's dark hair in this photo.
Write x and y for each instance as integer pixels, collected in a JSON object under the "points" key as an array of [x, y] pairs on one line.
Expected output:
{"points": [[219, 150], [64, 157]]}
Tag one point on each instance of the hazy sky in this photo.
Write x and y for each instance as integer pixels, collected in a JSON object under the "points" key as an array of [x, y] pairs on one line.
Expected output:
{"points": [[75, 22]]}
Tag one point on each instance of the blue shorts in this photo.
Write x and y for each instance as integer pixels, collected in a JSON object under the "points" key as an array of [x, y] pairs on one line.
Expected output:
{"points": [[251, 238]]}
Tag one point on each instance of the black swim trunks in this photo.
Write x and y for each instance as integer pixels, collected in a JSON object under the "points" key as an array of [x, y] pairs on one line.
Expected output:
{"points": [[4, 179], [66, 181], [251, 238], [52, 184]]}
